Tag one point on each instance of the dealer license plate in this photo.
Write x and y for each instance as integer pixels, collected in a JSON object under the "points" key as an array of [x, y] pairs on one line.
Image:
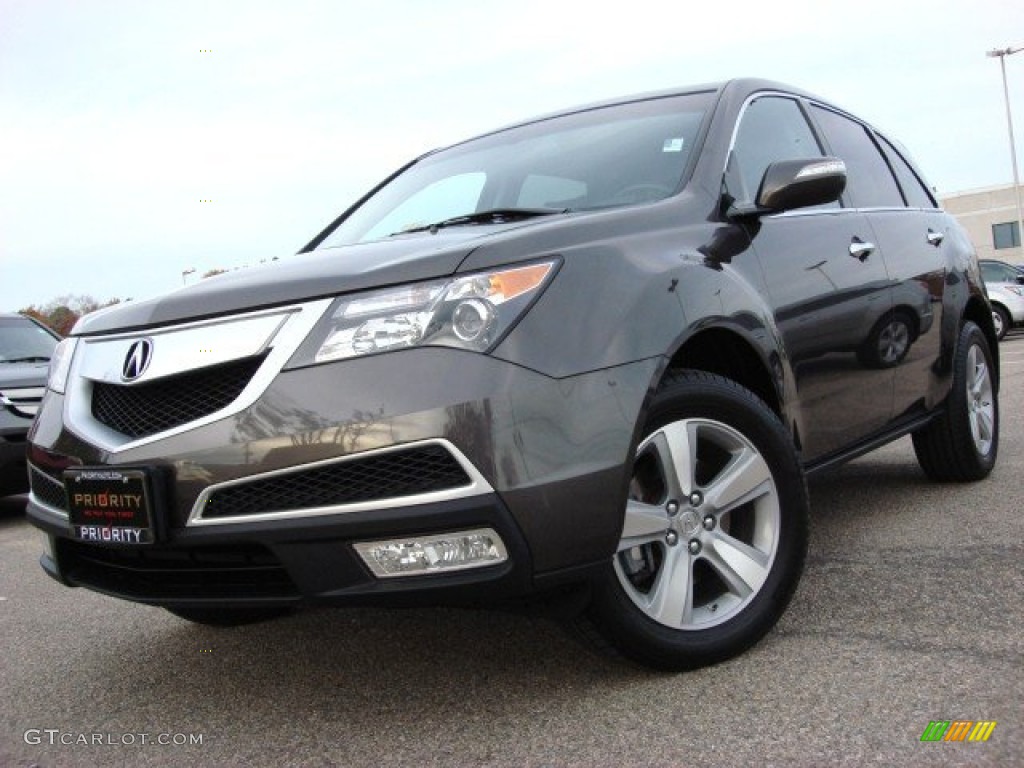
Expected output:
{"points": [[109, 506]]}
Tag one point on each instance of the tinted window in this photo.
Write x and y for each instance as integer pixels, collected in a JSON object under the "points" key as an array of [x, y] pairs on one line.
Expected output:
{"points": [[598, 158], [771, 129], [869, 182], [914, 191]]}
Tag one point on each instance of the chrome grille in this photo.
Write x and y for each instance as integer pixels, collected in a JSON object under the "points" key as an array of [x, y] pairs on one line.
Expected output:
{"points": [[382, 476], [156, 406]]}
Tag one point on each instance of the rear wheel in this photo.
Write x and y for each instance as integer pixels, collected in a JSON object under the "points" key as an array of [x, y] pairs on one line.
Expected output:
{"points": [[962, 444], [715, 529]]}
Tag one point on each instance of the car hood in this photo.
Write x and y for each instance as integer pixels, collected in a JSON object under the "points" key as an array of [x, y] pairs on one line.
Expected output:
{"points": [[303, 277], [14, 375]]}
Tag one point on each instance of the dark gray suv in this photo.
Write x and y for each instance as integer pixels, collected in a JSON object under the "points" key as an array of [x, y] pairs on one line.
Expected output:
{"points": [[593, 354]]}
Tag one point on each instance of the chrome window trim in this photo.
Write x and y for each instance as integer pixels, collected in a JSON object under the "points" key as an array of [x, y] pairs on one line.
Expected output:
{"points": [[743, 108], [801, 100], [296, 322], [477, 486], [835, 211]]}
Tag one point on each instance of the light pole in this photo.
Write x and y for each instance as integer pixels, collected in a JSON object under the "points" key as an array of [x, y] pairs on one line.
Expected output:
{"points": [[189, 271], [1001, 54]]}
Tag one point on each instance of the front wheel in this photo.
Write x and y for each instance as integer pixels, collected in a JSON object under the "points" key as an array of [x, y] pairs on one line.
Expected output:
{"points": [[715, 529], [962, 443]]}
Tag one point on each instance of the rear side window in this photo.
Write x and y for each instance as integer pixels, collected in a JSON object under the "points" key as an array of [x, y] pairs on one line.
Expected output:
{"points": [[914, 191], [869, 182], [772, 129]]}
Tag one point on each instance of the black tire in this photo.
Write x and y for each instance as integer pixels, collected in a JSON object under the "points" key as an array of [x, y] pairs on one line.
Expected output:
{"points": [[959, 446], [888, 342], [228, 617], [730, 427], [1002, 321]]}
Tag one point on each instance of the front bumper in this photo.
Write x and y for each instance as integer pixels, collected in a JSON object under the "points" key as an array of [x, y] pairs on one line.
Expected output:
{"points": [[551, 457], [289, 562]]}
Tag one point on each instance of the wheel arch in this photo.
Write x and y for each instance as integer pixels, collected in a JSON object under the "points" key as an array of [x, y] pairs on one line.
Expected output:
{"points": [[729, 354], [979, 312]]}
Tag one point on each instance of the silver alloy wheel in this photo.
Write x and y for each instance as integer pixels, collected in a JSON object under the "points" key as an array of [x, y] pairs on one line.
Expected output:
{"points": [[979, 400], [893, 341], [997, 320], [701, 527]]}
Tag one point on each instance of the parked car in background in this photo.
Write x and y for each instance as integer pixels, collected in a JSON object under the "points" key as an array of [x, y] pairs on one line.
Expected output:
{"points": [[1005, 285], [593, 355], [26, 347], [993, 271], [1007, 306]]}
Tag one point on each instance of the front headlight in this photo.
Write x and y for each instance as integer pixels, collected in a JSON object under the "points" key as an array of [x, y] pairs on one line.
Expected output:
{"points": [[60, 365], [468, 312]]}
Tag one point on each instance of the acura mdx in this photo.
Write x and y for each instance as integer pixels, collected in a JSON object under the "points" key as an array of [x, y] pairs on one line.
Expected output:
{"points": [[591, 354]]}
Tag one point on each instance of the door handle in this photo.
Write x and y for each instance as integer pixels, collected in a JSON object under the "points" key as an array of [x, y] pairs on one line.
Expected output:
{"points": [[935, 238], [861, 249]]}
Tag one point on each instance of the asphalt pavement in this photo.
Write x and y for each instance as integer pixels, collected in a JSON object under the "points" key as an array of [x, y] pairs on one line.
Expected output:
{"points": [[909, 612]]}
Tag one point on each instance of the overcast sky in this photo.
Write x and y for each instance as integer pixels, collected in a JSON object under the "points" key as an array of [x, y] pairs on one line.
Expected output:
{"points": [[120, 120]]}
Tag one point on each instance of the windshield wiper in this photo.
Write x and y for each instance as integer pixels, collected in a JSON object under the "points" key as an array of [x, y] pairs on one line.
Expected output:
{"points": [[490, 216], [29, 359]]}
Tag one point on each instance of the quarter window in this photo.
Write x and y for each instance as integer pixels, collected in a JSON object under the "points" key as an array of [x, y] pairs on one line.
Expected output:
{"points": [[869, 182], [914, 191]]}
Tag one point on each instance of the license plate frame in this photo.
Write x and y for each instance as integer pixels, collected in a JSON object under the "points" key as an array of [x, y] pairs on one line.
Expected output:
{"points": [[110, 506]]}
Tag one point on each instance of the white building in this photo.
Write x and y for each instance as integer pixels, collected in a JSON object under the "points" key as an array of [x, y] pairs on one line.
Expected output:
{"points": [[990, 217]]}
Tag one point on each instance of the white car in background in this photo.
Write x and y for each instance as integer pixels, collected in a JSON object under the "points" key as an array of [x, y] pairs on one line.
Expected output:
{"points": [[1005, 285], [1007, 306]]}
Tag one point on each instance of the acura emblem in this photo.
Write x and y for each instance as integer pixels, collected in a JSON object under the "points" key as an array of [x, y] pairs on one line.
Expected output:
{"points": [[137, 360]]}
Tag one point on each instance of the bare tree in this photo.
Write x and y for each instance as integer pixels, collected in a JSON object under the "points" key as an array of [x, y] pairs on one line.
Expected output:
{"points": [[63, 312]]}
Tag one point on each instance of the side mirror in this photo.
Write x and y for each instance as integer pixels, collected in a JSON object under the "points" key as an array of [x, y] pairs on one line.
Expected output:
{"points": [[1020, 279], [801, 183]]}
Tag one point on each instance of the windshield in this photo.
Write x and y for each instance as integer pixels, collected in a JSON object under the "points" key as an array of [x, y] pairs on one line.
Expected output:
{"points": [[601, 158], [22, 340]]}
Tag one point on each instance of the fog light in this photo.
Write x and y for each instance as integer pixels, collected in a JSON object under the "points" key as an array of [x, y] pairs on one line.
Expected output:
{"points": [[445, 552]]}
